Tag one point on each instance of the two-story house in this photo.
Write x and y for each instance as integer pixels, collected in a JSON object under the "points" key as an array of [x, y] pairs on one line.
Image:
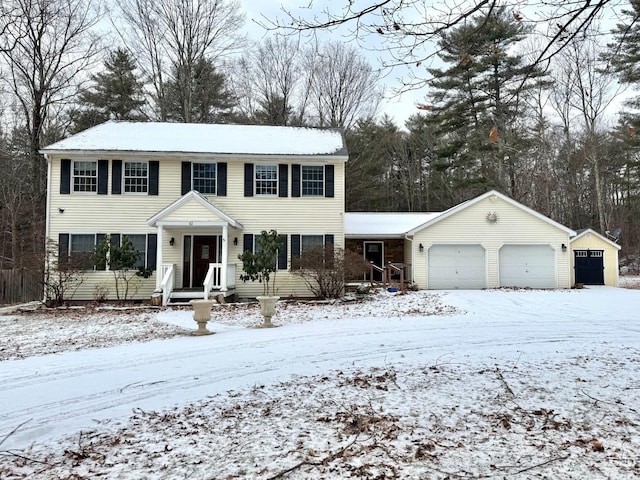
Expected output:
{"points": [[192, 197]]}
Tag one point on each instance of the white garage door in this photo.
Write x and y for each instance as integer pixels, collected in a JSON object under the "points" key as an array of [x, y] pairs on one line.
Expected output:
{"points": [[457, 266], [527, 266]]}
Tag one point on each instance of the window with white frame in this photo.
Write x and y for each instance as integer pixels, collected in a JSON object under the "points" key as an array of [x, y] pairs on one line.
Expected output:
{"points": [[85, 176], [204, 178], [312, 180], [136, 177], [266, 177]]}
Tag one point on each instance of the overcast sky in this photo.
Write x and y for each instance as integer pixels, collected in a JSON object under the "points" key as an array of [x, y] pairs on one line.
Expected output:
{"points": [[398, 107]]}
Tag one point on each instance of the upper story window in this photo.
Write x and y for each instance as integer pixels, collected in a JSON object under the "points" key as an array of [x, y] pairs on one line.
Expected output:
{"points": [[85, 176], [266, 177], [204, 178], [136, 177], [312, 181]]}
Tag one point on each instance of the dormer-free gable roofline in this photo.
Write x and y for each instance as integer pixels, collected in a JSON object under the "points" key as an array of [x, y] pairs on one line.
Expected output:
{"points": [[162, 138], [584, 232], [489, 194]]}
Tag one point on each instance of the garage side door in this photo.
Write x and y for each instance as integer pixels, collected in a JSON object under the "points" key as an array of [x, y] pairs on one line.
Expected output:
{"points": [[457, 266], [527, 266]]}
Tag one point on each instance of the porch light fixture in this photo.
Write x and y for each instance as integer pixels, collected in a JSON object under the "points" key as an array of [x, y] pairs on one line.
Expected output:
{"points": [[172, 241], [421, 248], [235, 240], [564, 247]]}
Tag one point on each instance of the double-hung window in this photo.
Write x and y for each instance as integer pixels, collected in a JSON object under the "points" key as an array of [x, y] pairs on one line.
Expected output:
{"points": [[136, 177], [139, 242], [312, 180], [81, 249], [266, 178], [204, 178], [85, 176], [311, 242]]}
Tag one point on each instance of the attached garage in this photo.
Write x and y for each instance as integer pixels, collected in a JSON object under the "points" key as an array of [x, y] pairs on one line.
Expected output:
{"points": [[490, 241], [532, 266], [457, 267]]}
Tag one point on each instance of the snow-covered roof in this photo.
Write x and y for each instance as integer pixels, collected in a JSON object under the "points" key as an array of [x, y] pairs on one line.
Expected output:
{"points": [[387, 224], [200, 138]]}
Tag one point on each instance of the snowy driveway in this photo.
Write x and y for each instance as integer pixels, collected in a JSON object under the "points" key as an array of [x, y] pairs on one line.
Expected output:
{"points": [[58, 394]]}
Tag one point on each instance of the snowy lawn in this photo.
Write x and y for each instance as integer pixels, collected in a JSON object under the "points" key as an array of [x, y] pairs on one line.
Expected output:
{"points": [[464, 384]]}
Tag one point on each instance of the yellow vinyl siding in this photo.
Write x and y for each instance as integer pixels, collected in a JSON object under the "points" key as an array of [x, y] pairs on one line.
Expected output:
{"points": [[592, 241], [470, 226], [129, 213]]}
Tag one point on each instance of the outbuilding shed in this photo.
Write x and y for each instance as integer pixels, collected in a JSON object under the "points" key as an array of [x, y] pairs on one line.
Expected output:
{"points": [[594, 259]]}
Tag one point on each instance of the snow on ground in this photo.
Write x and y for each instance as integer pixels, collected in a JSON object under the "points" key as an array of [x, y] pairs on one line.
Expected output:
{"points": [[629, 281], [466, 384]]}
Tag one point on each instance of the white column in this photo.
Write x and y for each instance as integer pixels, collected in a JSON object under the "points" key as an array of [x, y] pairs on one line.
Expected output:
{"points": [[159, 246], [225, 259]]}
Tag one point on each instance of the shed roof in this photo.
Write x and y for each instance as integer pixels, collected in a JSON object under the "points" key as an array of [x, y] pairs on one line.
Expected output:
{"points": [[200, 138]]}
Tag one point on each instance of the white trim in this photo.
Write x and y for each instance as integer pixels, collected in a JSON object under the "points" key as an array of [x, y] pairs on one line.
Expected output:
{"points": [[198, 198]]}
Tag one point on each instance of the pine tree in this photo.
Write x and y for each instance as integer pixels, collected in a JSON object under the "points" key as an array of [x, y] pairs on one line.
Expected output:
{"points": [[198, 94], [477, 102], [117, 94]]}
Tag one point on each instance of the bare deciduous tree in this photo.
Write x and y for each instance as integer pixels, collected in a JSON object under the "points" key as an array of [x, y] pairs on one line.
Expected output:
{"points": [[175, 35], [343, 86], [47, 48]]}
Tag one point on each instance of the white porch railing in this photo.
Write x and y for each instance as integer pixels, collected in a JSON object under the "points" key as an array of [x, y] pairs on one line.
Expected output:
{"points": [[168, 281], [214, 280]]}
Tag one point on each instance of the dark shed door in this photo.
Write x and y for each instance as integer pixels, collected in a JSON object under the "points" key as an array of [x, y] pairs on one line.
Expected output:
{"points": [[589, 266]]}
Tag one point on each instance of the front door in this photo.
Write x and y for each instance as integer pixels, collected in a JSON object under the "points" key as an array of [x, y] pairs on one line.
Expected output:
{"points": [[205, 251], [374, 252]]}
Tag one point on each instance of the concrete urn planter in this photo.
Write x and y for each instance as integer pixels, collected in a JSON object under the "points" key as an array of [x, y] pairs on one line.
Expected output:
{"points": [[202, 314], [267, 309]]}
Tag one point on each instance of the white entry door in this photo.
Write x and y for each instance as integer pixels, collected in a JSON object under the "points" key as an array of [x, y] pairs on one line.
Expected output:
{"points": [[530, 266], [457, 266]]}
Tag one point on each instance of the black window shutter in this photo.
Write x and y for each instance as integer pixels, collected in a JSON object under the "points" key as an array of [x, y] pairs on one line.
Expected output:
{"points": [[116, 177], [221, 189], [152, 249], [248, 179], [329, 181], [154, 177], [103, 175], [247, 242], [295, 180], [99, 239], [283, 180], [65, 176], [63, 248], [282, 253], [186, 177], [328, 249], [114, 239], [295, 246]]}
